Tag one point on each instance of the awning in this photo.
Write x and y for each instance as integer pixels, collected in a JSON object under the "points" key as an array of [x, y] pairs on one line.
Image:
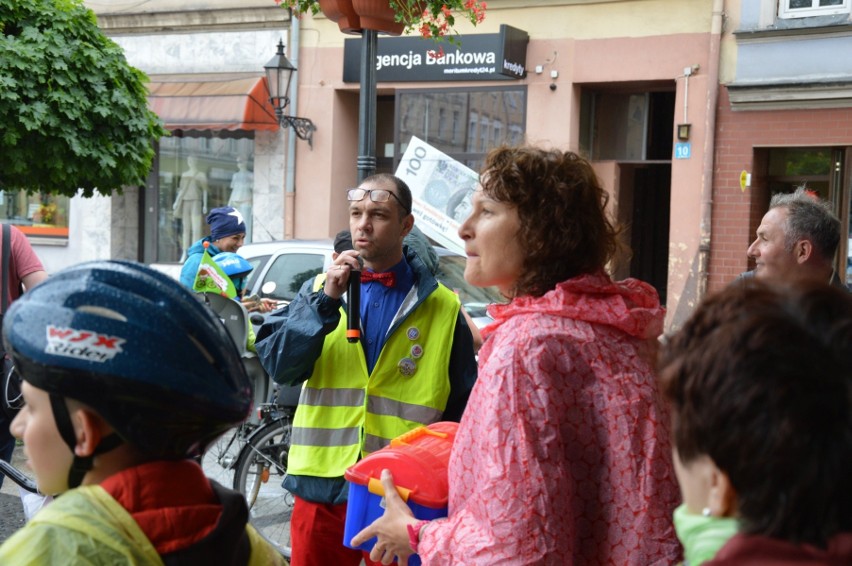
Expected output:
{"points": [[232, 104]]}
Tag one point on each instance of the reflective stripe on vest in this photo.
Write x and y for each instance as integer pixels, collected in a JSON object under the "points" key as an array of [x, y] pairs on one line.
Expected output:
{"points": [[344, 413]]}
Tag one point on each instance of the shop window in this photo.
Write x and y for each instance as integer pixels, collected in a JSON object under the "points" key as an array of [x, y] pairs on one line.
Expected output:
{"points": [[808, 8], [482, 118], [472, 128], [37, 214], [484, 129], [197, 174], [497, 132]]}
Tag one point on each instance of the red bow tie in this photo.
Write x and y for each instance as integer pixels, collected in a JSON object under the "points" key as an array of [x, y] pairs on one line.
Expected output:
{"points": [[388, 278]]}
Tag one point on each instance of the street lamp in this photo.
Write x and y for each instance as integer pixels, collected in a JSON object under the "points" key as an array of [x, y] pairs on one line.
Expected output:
{"points": [[279, 73]]}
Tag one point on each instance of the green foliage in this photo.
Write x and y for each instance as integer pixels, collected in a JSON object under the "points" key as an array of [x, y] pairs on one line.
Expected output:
{"points": [[73, 112]]}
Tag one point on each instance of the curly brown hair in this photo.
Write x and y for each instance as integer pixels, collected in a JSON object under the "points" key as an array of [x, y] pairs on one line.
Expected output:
{"points": [[564, 227]]}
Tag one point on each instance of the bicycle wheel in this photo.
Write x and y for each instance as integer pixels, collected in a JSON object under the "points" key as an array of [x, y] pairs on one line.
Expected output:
{"points": [[220, 460], [259, 475]]}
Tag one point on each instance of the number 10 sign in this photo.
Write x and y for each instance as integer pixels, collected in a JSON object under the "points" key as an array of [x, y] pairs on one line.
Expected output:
{"points": [[683, 150]]}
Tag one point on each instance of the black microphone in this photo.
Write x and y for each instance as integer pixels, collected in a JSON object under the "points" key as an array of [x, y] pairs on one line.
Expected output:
{"points": [[353, 305]]}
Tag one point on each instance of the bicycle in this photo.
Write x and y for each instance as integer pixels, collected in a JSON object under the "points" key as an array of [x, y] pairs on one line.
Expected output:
{"points": [[259, 474], [252, 458]]}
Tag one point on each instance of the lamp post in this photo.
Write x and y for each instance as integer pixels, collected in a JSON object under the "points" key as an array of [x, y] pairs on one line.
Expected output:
{"points": [[367, 106], [279, 74]]}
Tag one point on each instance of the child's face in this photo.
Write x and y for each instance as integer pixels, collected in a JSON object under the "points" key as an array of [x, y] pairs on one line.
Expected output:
{"points": [[47, 454]]}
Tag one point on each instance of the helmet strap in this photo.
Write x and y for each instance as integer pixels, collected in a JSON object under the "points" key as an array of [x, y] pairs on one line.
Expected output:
{"points": [[81, 464]]}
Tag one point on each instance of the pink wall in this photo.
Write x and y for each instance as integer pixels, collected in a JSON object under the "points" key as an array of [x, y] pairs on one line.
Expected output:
{"points": [[552, 121]]}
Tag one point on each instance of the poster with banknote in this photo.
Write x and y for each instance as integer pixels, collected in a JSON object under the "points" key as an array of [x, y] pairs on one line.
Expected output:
{"points": [[441, 189]]}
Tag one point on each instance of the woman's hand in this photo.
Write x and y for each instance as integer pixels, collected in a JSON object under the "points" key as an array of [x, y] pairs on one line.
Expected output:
{"points": [[391, 528]]}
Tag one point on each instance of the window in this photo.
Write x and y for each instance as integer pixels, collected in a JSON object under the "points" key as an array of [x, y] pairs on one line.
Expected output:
{"points": [[481, 118], [807, 8], [194, 171], [627, 126], [38, 214], [472, 127], [290, 271], [484, 133]]}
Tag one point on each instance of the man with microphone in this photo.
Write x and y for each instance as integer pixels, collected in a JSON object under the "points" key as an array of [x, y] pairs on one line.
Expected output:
{"points": [[413, 364]]}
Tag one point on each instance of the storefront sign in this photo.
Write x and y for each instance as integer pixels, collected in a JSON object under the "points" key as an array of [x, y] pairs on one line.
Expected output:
{"points": [[441, 189], [480, 57]]}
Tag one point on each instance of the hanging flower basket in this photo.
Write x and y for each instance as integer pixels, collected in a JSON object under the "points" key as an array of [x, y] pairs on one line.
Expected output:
{"points": [[380, 15], [434, 19], [342, 13]]}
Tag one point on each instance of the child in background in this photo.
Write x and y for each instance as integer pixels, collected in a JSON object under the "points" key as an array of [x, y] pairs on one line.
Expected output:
{"points": [[238, 268]]}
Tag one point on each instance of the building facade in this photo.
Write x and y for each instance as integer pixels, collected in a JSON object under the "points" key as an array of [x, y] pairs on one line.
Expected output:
{"points": [[617, 81], [784, 120], [631, 84]]}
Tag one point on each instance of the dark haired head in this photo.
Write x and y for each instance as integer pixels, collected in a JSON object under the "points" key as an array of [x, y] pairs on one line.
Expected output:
{"points": [[402, 190], [343, 241], [760, 380], [565, 230]]}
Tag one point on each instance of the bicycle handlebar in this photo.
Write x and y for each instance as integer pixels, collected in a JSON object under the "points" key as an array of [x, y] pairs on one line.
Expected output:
{"points": [[16, 476]]}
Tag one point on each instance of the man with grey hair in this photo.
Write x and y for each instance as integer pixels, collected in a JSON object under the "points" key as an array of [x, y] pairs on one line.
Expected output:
{"points": [[797, 239]]}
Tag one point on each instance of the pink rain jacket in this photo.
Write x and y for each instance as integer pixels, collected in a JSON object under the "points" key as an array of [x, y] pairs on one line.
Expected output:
{"points": [[563, 454]]}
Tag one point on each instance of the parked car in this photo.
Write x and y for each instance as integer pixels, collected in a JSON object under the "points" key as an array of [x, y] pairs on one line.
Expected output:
{"points": [[282, 267]]}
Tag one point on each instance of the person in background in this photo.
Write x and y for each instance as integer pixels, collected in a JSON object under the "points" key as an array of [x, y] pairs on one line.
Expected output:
{"points": [[113, 428], [797, 239], [413, 364], [759, 380], [25, 272], [563, 455], [227, 234]]}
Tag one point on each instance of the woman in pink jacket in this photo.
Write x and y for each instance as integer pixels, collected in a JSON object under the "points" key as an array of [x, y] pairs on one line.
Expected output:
{"points": [[563, 454]]}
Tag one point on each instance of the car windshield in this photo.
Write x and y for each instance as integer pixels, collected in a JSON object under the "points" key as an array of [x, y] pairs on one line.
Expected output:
{"points": [[474, 299]]}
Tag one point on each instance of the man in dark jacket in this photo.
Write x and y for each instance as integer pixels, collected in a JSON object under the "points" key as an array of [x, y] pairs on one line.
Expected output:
{"points": [[413, 364]]}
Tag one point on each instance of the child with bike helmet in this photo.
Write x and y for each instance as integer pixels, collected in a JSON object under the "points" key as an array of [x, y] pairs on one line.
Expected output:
{"points": [[127, 377], [237, 268]]}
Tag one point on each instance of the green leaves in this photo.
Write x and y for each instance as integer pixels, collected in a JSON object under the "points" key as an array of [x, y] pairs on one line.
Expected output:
{"points": [[73, 113]]}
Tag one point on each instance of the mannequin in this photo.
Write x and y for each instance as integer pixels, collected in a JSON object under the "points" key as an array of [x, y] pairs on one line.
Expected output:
{"points": [[191, 202], [242, 184]]}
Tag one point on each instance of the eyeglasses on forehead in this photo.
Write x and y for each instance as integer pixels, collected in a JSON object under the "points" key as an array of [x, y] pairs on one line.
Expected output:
{"points": [[376, 195]]}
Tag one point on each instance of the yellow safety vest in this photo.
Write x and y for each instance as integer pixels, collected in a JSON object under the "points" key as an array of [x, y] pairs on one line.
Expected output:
{"points": [[345, 413]]}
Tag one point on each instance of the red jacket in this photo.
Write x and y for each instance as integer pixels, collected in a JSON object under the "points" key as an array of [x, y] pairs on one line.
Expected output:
{"points": [[743, 550], [186, 517]]}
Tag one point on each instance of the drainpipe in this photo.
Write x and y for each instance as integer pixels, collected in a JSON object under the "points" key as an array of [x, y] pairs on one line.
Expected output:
{"points": [[293, 109], [709, 147]]}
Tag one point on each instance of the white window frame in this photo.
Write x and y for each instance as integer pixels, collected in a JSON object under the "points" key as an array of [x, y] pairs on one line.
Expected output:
{"points": [[784, 10]]}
